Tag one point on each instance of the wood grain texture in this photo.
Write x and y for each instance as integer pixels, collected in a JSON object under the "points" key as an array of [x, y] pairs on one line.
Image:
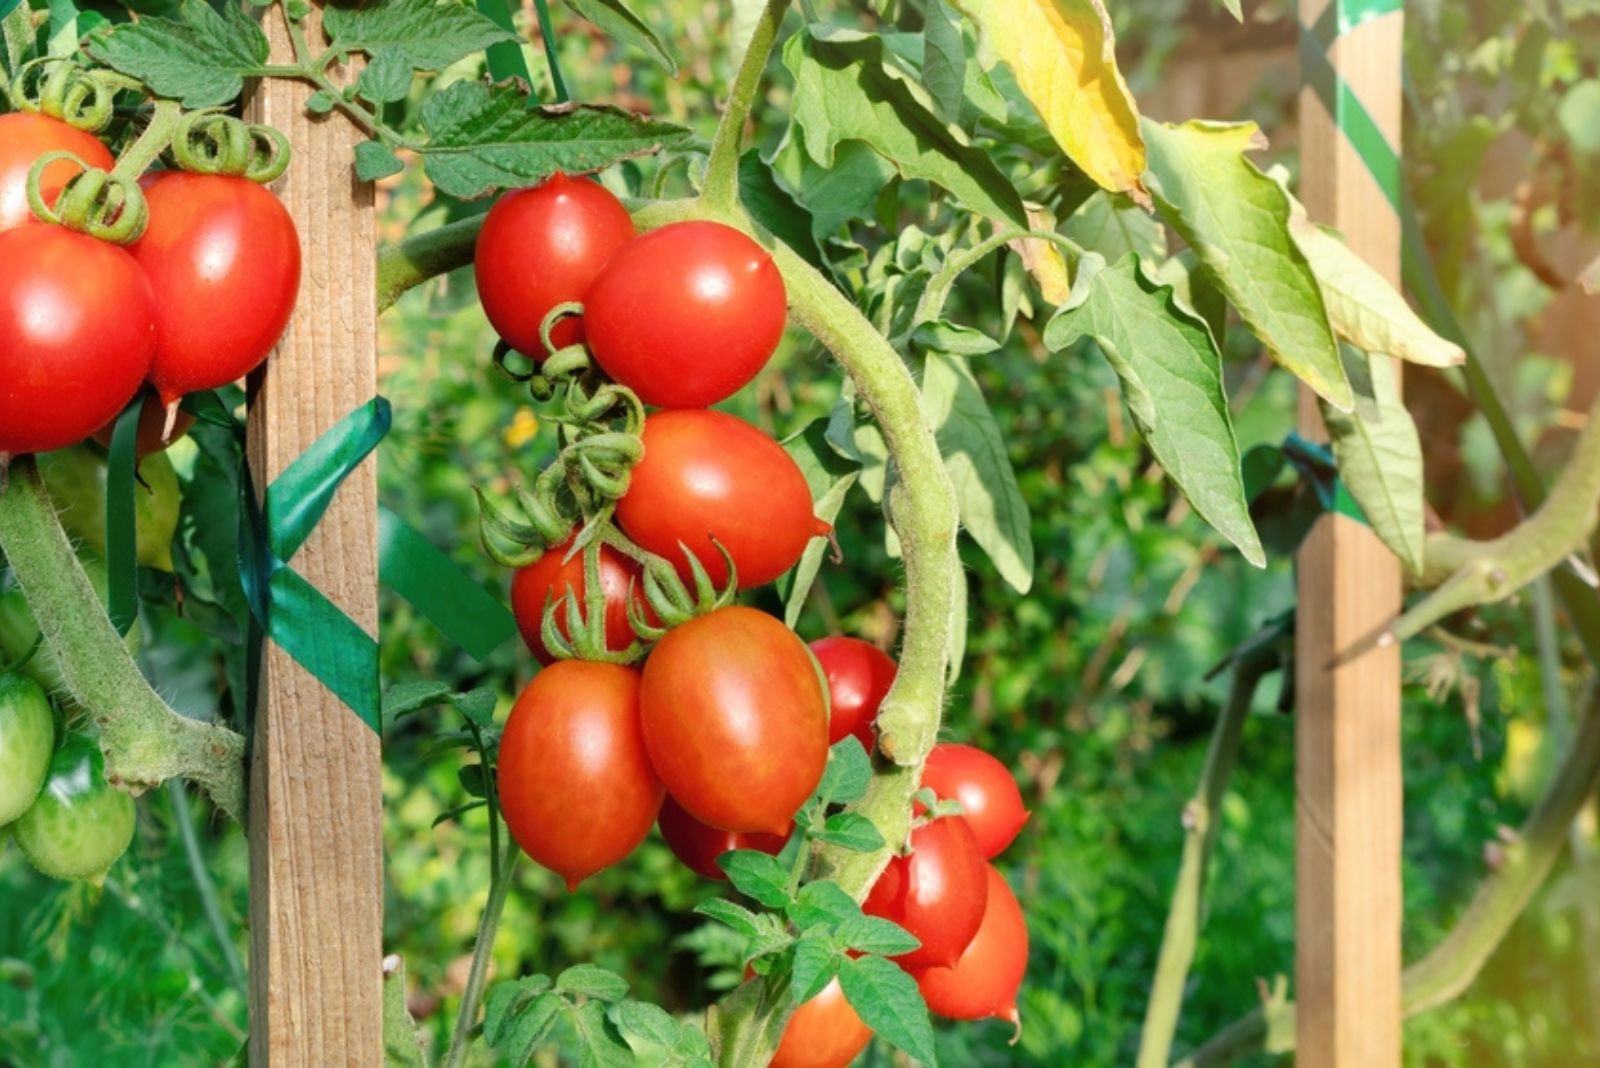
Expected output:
{"points": [[1348, 810], [316, 797]]}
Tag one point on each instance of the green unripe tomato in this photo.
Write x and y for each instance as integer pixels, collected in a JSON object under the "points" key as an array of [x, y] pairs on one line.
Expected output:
{"points": [[27, 735], [76, 479], [80, 824], [18, 631]]}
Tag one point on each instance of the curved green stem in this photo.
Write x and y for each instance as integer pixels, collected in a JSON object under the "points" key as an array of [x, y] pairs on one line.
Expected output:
{"points": [[407, 264], [152, 142], [145, 741], [210, 902], [482, 955], [722, 170]]}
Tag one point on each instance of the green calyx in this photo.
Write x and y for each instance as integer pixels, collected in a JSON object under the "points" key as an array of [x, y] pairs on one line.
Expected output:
{"points": [[213, 142], [104, 205], [62, 89], [669, 597]]}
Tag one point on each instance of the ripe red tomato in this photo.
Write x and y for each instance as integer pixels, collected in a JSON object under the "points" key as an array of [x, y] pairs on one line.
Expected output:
{"points": [[23, 139], [859, 676], [576, 787], [989, 797], [541, 247], [77, 333], [707, 474], [550, 578], [223, 258], [699, 845], [937, 893], [736, 720], [153, 437], [985, 981], [686, 315], [825, 1032]]}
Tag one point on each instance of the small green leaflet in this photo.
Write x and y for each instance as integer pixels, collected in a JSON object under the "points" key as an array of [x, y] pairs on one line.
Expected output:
{"points": [[848, 772], [201, 60], [771, 205], [593, 981], [888, 1001], [944, 60], [758, 876], [402, 1045], [600, 1044], [816, 962], [386, 78], [1171, 376], [873, 934], [485, 137], [730, 915], [518, 1014], [822, 903], [428, 35], [622, 24], [852, 831], [375, 160]]}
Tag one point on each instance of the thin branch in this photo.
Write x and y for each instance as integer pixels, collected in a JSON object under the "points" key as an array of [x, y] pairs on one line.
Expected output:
{"points": [[722, 170]]}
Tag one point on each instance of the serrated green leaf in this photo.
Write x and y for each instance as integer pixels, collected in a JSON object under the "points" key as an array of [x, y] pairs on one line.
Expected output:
{"points": [[642, 1024], [830, 475], [771, 205], [887, 1000], [428, 35], [621, 24], [485, 137], [386, 78], [944, 59], [847, 88], [731, 915], [822, 904], [476, 705], [992, 507], [599, 1044], [838, 194], [953, 339], [404, 698], [847, 774], [375, 160], [1237, 221], [874, 934], [321, 102], [525, 1030], [506, 999], [402, 1044], [1380, 456], [1113, 226], [592, 981], [201, 59], [1171, 376], [852, 831], [756, 875], [816, 962]]}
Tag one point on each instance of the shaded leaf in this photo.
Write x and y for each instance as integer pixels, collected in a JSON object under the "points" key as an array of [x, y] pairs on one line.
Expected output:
{"points": [[622, 24], [830, 475], [592, 981], [428, 35], [402, 1044], [944, 60], [201, 59], [404, 698], [953, 338]]}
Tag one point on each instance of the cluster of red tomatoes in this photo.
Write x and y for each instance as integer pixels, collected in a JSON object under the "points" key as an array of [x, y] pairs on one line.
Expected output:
{"points": [[198, 300]]}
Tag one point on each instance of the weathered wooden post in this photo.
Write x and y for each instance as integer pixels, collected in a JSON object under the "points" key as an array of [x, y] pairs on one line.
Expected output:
{"points": [[316, 845], [1349, 805]]}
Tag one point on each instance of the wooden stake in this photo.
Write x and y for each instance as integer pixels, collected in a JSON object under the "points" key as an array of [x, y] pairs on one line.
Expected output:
{"points": [[1347, 742], [316, 792]]}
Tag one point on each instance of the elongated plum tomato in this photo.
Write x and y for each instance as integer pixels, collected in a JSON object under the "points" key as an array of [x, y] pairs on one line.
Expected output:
{"points": [[706, 475], [77, 333], [936, 893], [24, 137], [736, 720], [985, 981], [859, 677], [825, 1032], [27, 737], [699, 845], [575, 784], [550, 577], [223, 258], [541, 247], [686, 315], [80, 823], [990, 800]]}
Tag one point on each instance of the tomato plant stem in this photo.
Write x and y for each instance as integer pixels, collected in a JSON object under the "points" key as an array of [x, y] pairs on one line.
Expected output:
{"points": [[203, 884], [722, 170], [155, 139], [482, 957]]}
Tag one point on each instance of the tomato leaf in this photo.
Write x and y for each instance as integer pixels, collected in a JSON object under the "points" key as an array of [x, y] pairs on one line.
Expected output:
{"points": [[731, 915], [888, 1001], [874, 934], [848, 772], [428, 35], [816, 962], [943, 336], [405, 698], [592, 981], [771, 205], [642, 1024], [486, 137], [599, 1044], [457, 812], [852, 831], [622, 24], [375, 160], [402, 1043], [473, 781], [944, 60], [1171, 374], [201, 60], [758, 876], [477, 705], [506, 1001], [822, 904], [386, 78]]}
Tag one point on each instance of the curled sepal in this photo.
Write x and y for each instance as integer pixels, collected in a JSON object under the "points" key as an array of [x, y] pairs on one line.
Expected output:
{"points": [[574, 629], [213, 142], [60, 88], [502, 357], [565, 310], [495, 527], [98, 203], [670, 598]]}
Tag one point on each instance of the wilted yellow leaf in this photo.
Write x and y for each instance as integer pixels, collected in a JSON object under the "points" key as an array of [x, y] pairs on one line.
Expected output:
{"points": [[1063, 53], [1043, 260]]}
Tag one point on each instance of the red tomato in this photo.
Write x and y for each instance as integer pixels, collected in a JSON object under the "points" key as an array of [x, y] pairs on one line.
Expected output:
{"points": [[936, 893], [825, 1032], [859, 676], [77, 332], [708, 474], [23, 139], [575, 784], [985, 981], [686, 315], [736, 720], [541, 247], [223, 258], [152, 429], [989, 797], [699, 845], [550, 578]]}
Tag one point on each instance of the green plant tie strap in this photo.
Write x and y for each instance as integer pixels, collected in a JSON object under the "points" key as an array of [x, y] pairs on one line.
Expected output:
{"points": [[7, 7], [1350, 115], [505, 57], [1316, 465], [122, 536], [412, 566]]}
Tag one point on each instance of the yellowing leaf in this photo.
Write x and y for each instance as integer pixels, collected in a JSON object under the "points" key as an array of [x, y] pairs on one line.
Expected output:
{"points": [[1042, 259], [1063, 53]]}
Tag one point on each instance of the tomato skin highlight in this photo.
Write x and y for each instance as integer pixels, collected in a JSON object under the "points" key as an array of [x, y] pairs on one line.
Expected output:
{"points": [[990, 800], [937, 893], [859, 677], [686, 315], [736, 720], [708, 474], [24, 137], [80, 825], [223, 258], [550, 578], [27, 738], [541, 247], [576, 787], [985, 981], [77, 335], [825, 1032], [699, 845]]}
